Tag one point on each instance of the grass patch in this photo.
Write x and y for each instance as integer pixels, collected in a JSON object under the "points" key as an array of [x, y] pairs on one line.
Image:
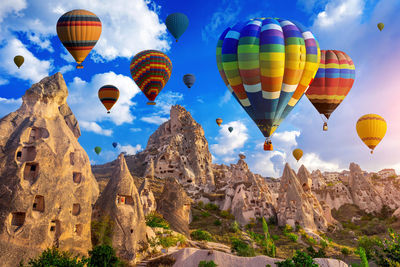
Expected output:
{"points": [[201, 235], [155, 219]]}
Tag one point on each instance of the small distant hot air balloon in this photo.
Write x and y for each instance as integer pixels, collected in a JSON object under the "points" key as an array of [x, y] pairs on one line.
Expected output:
{"points": [[79, 30], [19, 60], [189, 80], [177, 24], [97, 149], [381, 26], [219, 121], [297, 154], [151, 69], [108, 95], [115, 144], [371, 129], [230, 129], [332, 83]]}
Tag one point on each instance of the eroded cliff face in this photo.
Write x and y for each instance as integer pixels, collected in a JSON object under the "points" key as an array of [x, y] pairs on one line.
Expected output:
{"points": [[46, 184]]}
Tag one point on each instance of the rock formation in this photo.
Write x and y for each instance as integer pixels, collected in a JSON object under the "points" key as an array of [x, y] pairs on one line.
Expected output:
{"points": [[46, 185], [147, 198], [296, 204], [121, 203], [174, 205]]}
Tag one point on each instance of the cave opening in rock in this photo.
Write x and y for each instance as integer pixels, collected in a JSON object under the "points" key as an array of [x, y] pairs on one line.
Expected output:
{"points": [[38, 203], [77, 177], [18, 218]]}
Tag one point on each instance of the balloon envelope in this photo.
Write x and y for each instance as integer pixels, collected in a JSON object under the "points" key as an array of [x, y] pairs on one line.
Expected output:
{"points": [[230, 129], [267, 64], [381, 26], [115, 144], [333, 81], [189, 80], [108, 95], [151, 69], [79, 30], [371, 128], [177, 24], [19, 60], [297, 153], [97, 149], [219, 121]]}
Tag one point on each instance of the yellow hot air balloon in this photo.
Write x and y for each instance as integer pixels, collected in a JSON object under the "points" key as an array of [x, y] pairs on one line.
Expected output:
{"points": [[297, 153], [381, 26], [19, 60], [371, 129]]}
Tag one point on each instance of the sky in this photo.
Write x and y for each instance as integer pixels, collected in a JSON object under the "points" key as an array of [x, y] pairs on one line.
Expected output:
{"points": [[28, 28]]}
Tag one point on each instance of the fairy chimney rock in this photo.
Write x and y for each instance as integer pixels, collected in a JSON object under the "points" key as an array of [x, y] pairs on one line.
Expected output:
{"points": [[147, 197], [120, 203], [40, 153]]}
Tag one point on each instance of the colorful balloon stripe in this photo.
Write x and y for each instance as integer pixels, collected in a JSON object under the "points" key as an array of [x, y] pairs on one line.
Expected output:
{"points": [[108, 95]]}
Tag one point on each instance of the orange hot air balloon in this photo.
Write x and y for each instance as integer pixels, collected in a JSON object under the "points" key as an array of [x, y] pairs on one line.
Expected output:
{"points": [[79, 30], [219, 121], [297, 154], [371, 129], [108, 95]]}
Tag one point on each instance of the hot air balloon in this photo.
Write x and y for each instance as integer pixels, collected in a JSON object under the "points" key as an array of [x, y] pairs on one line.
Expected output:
{"points": [[151, 69], [177, 24], [189, 80], [19, 60], [108, 95], [230, 129], [297, 154], [219, 121], [267, 64], [79, 30], [97, 149], [332, 83], [381, 26], [371, 129], [114, 144]]}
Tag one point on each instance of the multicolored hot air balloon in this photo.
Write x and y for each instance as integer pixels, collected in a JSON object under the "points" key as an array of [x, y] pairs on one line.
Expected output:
{"points": [[108, 95], [19, 60], [97, 149], [79, 30], [297, 153], [219, 121], [371, 129], [230, 129], [177, 24], [114, 144], [332, 83], [267, 64], [189, 80], [151, 69], [381, 26]]}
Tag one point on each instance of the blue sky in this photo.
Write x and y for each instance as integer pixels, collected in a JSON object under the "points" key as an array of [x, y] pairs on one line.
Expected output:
{"points": [[130, 26]]}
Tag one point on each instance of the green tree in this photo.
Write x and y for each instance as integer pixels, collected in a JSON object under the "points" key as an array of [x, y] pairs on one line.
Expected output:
{"points": [[389, 250], [207, 264], [300, 259], [364, 261], [54, 257], [103, 256]]}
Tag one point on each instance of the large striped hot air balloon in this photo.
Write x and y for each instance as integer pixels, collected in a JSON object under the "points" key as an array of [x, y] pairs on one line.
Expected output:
{"points": [[267, 64], [371, 129], [108, 95], [79, 30], [332, 83], [151, 69]]}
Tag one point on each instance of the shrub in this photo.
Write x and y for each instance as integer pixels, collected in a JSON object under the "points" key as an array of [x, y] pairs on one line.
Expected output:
{"points": [[275, 237], [288, 228], [316, 254], [363, 257], [195, 218], [242, 248], [207, 264], [323, 243], [102, 230], [201, 235], [292, 237], [235, 227], [251, 224], [388, 252], [103, 255], [369, 244], [226, 214], [205, 214], [217, 222], [54, 257], [345, 251], [155, 219], [299, 259], [200, 204], [211, 206]]}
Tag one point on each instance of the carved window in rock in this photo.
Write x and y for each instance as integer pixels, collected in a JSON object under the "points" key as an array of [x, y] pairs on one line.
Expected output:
{"points": [[76, 209], [27, 154], [78, 229], [123, 199], [77, 177], [31, 172], [18, 218], [72, 158], [19, 155], [38, 203], [55, 227]]}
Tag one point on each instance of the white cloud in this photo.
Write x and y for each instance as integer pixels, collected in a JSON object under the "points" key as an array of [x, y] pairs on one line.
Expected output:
{"points": [[94, 127], [130, 150], [154, 119], [135, 130], [225, 98], [264, 163], [40, 41], [3, 81], [339, 11], [84, 102], [32, 70], [11, 6], [228, 142], [286, 139], [67, 57], [8, 105], [66, 68], [312, 161]]}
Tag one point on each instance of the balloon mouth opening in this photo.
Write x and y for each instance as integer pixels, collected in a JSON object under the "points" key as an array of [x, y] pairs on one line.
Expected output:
{"points": [[79, 66], [151, 103]]}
